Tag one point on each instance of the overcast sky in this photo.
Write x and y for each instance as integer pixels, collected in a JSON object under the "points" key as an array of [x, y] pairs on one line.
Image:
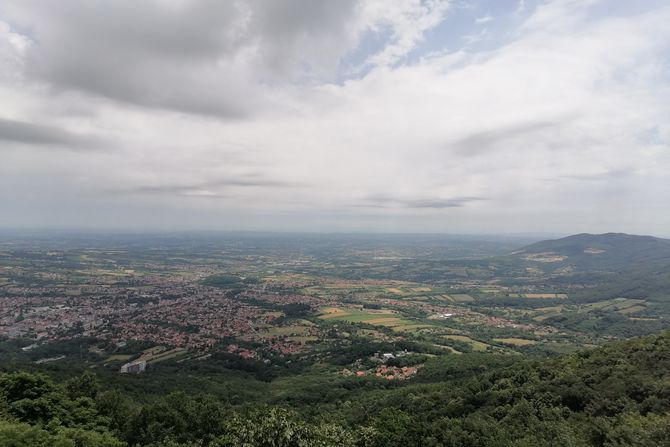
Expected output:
{"points": [[449, 116]]}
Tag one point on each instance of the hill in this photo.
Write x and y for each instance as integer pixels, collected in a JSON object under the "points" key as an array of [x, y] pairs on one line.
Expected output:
{"points": [[599, 252], [606, 265]]}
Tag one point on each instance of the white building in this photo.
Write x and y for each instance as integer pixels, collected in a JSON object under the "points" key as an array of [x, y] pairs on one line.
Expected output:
{"points": [[134, 367]]}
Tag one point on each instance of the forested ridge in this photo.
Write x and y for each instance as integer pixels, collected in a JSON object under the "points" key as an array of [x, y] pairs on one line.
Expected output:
{"points": [[615, 395]]}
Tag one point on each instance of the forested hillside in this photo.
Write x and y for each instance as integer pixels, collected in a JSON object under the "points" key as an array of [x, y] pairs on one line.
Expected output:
{"points": [[602, 251], [609, 265], [616, 395]]}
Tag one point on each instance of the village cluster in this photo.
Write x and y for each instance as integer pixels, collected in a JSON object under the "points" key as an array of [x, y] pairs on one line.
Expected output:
{"points": [[161, 311]]}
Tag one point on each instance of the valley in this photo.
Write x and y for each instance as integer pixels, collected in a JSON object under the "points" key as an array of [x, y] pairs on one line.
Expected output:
{"points": [[267, 298]]}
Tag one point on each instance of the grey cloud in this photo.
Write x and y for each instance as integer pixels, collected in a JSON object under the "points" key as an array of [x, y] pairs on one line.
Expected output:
{"points": [[481, 142], [215, 188], [295, 33], [611, 175], [140, 53], [175, 190], [29, 133], [202, 57], [387, 202], [447, 203]]}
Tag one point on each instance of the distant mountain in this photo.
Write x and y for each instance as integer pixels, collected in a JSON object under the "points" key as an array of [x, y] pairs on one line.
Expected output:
{"points": [[596, 252]]}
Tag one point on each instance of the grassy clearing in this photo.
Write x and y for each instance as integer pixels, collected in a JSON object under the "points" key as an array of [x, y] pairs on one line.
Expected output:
{"points": [[415, 327], [303, 338], [547, 312], [545, 296], [546, 316], [162, 356], [476, 345], [515, 341], [550, 309], [287, 277], [306, 323], [332, 312], [632, 309], [382, 317], [118, 358], [461, 297], [347, 286], [625, 303], [382, 320], [395, 291], [616, 304], [365, 318], [372, 333], [355, 315], [395, 323], [449, 349]]}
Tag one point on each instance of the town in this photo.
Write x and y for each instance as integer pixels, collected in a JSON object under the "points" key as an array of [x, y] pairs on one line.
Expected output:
{"points": [[263, 303]]}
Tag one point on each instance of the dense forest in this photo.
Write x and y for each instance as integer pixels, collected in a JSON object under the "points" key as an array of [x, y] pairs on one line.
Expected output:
{"points": [[615, 395]]}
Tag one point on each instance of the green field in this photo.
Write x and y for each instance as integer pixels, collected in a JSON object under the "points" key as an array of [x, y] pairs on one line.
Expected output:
{"points": [[476, 345], [162, 356], [515, 341], [461, 297], [386, 318], [118, 358], [616, 304]]}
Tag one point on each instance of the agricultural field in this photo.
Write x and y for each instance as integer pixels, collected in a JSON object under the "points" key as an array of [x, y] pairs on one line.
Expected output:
{"points": [[545, 296], [476, 345], [160, 354], [381, 317], [515, 341], [543, 313], [283, 331], [616, 304], [461, 297]]}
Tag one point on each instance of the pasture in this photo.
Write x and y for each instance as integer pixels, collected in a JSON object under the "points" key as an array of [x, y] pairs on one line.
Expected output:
{"points": [[461, 297], [615, 304], [376, 317], [475, 344], [515, 341], [545, 296]]}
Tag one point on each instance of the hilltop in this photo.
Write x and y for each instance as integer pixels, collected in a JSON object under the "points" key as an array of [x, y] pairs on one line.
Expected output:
{"points": [[599, 251]]}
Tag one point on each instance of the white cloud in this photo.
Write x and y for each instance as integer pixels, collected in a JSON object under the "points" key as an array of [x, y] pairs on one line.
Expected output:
{"points": [[483, 19], [408, 21]]}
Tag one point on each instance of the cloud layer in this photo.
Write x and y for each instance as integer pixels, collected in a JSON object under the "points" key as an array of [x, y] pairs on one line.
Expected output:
{"points": [[430, 115]]}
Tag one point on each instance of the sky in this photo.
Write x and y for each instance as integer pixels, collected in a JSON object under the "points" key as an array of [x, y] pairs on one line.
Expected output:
{"points": [[441, 116]]}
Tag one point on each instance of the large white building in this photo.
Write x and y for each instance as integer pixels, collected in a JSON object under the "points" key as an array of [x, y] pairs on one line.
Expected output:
{"points": [[134, 367]]}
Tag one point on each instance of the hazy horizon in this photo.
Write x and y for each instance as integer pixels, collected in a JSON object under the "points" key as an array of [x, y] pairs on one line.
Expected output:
{"points": [[177, 233], [359, 116]]}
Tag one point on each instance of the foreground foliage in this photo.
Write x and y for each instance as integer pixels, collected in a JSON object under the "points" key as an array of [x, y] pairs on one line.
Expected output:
{"points": [[617, 395]]}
